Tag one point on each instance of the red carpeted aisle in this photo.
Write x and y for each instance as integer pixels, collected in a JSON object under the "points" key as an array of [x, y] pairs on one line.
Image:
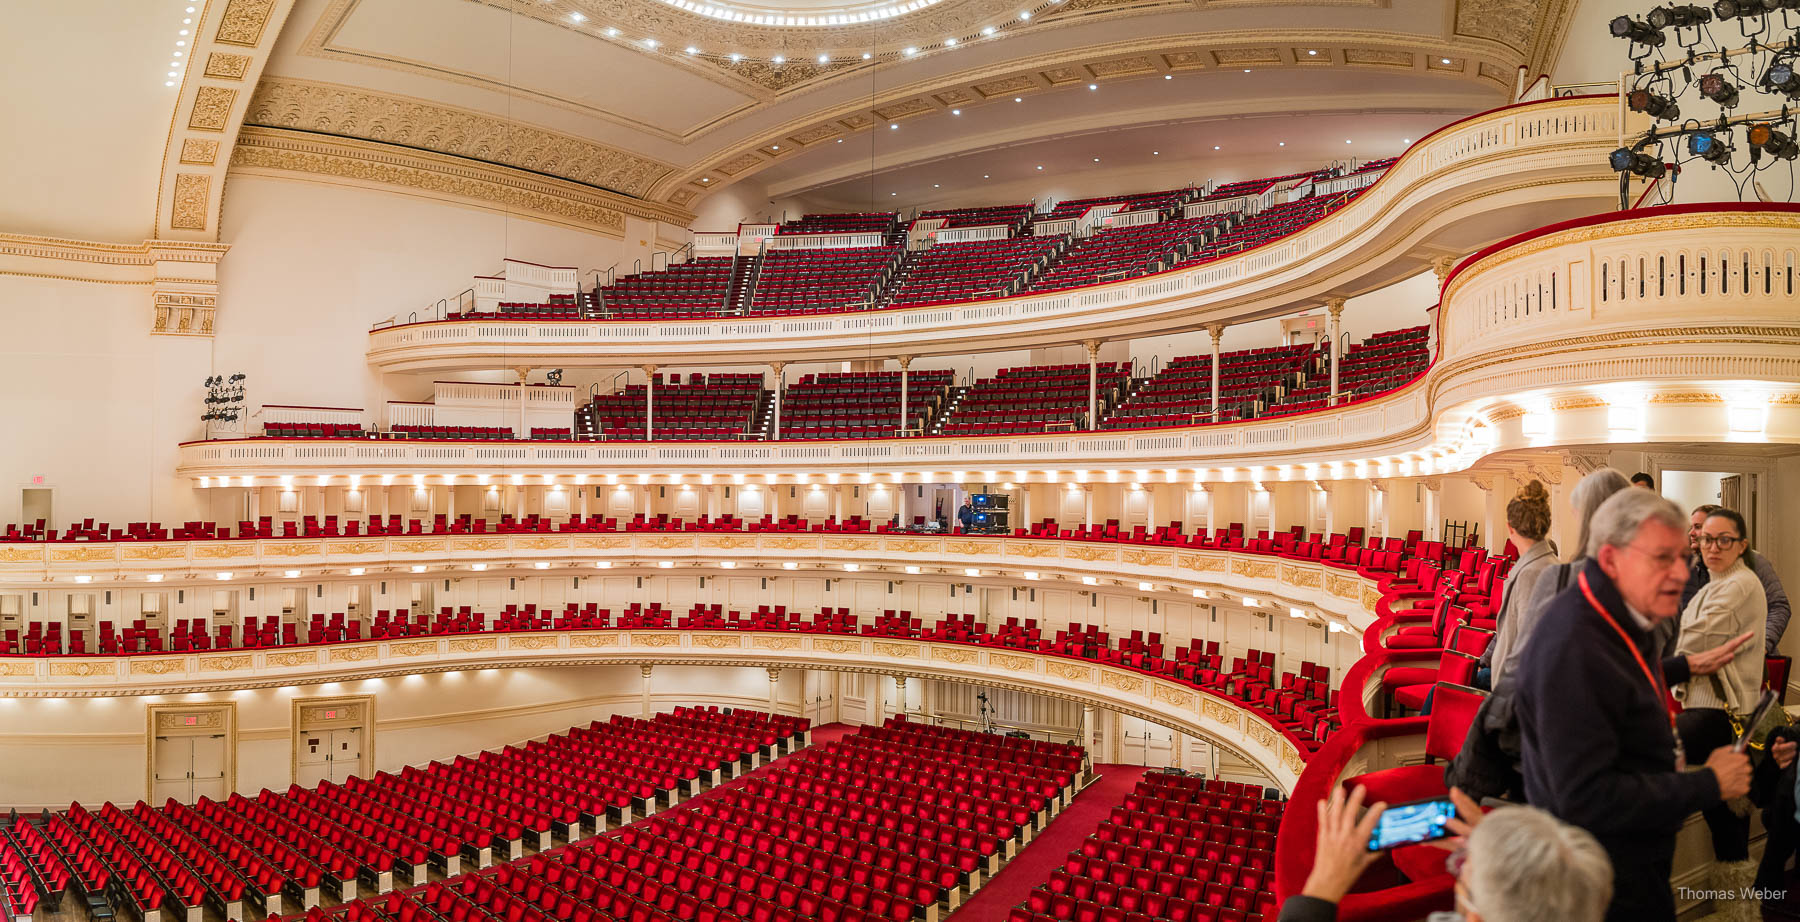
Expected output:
{"points": [[1047, 851]]}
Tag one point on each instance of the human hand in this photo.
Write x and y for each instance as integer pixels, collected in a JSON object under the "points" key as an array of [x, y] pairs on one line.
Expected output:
{"points": [[1707, 662], [1732, 770], [1342, 854], [1784, 752], [1468, 815]]}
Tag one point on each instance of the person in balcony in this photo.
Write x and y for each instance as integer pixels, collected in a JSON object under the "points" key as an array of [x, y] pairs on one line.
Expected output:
{"points": [[1516, 864], [1527, 522], [1598, 742], [1730, 603], [1780, 610], [965, 516]]}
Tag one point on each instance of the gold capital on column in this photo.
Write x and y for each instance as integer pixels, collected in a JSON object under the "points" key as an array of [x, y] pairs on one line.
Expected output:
{"points": [[1442, 266], [1335, 306], [644, 670]]}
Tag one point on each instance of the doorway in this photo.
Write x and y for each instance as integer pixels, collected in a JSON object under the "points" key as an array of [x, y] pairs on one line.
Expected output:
{"points": [[35, 505], [333, 739], [328, 755], [192, 752]]}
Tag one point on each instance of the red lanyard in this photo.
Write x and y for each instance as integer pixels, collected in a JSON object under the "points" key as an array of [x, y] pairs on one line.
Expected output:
{"points": [[1656, 685]]}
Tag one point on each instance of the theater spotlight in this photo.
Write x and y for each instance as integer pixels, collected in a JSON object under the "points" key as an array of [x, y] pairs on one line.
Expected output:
{"points": [[1653, 105], [1782, 79], [1678, 16], [1627, 28], [1710, 147], [1720, 90], [1637, 163], [1735, 9], [1770, 140]]}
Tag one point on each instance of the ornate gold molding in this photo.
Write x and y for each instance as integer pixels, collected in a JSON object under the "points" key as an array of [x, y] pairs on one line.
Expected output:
{"points": [[281, 153]]}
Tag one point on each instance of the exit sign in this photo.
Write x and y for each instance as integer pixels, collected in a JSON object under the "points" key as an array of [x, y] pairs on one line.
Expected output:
{"points": [[37, 478], [190, 721], [330, 715]]}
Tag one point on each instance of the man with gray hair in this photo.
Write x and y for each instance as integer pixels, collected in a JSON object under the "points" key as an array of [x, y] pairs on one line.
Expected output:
{"points": [[1597, 736], [1524, 865]]}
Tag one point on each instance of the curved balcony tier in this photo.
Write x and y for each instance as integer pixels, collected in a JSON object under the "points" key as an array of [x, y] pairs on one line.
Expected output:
{"points": [[1465, 185], [1587, 332]]}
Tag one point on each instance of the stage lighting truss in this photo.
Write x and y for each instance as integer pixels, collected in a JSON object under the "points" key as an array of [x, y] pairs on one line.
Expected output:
{"points": [[1730, 108]]}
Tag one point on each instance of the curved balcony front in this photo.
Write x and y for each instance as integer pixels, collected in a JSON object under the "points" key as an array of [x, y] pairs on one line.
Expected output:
{"points": [[1666, 325], [1466, 185]]}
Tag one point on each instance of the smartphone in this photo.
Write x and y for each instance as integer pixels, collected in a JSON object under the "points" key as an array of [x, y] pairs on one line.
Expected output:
{"points": [[1413, 822], [1756, 717]]}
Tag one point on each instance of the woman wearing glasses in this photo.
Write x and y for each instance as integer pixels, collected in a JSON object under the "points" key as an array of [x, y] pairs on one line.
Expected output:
{"points": [[1730, 603]]}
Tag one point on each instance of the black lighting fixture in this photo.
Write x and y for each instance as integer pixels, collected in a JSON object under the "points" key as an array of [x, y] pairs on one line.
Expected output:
{"points": [[1715, 87], [554, 376], [1637, 163], [1712, 147], [1653, 105], [224, 398], [1737, 9], [1773, 141], [1637, 31], [1782, 79], [1678, 16]]}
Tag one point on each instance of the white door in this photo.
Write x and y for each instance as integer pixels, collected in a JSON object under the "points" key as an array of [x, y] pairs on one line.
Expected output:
{"points": [[346, 753], [329, 755], [188, 767]]}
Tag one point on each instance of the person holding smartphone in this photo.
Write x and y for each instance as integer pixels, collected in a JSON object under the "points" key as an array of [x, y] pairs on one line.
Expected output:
{"points": [[1516, 864]]}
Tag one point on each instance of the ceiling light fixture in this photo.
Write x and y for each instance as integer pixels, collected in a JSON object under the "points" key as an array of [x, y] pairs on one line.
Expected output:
{"points": [[1215, 147], [910, 52], [580, 18], [894, 125], [610, 33], [824, 59], [1018, 99], [779, 59], [1445, 60], [1024, 14], [955, 111], [692, 50], [649, 43], [1311, 52], [865, 55], [1168, 76], [1093, 86], [950, 42], [736, 58], [988, 31]]}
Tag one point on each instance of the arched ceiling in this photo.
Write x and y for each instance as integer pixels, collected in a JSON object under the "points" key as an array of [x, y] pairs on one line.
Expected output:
{"points": [[910, 95]]}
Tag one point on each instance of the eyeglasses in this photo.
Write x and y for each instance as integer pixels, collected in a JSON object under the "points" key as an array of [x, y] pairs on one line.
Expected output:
{"points": [[1718, 541], [1465, 904], [1664, 561]]}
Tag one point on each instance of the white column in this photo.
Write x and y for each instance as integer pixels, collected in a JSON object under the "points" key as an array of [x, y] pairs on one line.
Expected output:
{"points": [[649, 403], [905, 363], [1087, 507], [449, 500], [1093, 411], [1149, 507], [522, 432], [774, 686], [1087, 731], [644, 701], [1336, 308], [1433, 503], [1025, 504], [586, 491], [1218, 332], [899, 489], [900, 692], [779, 367]]}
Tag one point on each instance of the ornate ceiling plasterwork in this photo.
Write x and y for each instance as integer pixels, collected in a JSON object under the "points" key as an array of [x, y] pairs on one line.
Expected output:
{"points": [[349, 112], [279, 152]]}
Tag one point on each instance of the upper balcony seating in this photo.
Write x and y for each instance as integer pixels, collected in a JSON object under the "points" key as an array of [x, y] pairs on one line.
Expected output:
{"points": [[820, 281], [1181, 393], [853, 405], [695, 288], [293, 430], [1112, 254], [1035, 398], [1269, 225], [1180, 848], [1252, 186], [1385, 361], [875, 222], [949, 272], [1141, 201], [558, 307], [1013, 216], [461, 433], [715, 406]]}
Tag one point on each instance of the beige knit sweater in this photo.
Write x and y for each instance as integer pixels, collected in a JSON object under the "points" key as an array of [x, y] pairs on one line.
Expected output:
{"points": [[1729, 604]]}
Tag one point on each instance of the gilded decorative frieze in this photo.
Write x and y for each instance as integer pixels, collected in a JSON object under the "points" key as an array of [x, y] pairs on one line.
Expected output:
{"points": [[226, 663], [212, 108], [16, 667], [896, 650], [655, 640], [223, 551], [20, 554], [534, 642], [1090, 554], [199, 151], [1170, 695], [414, 648], [243, 21], [223, 65], [666, 542], [156, 666], [728, 542], [153, 552], [717, 641], [478, 544], [1069, 671], [1030, 549], [473, 645], [1261, 733], [284, 549], [542, 544], [431, 546], [1339, 586], [1219, 711], [183, 313], [1013, 663], [853, 546], [292, 658], [80, 554], [207, 719], [1370, 599], [970, 548], [955, 655], [1300, 577], [1201, 563], [1148, 558], [1254, 569], [789, 544], [353, 547], [594, 640], [604, 544], [1290, 758], [832, 645], [354, 654], [81, 669], [1124, 682], [911, 545], [776, 643]]}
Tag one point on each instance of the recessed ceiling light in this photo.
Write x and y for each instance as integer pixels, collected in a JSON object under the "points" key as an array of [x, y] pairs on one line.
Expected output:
{"points": [[988, 31], [182, 32], [1024, 14], [950, 41], [1283, 144], [779, 59], [169, 83], [1311, 51], [824, 59], [955, 111], [649, 43], [1406, 140], [1246, 70], [865, 55], [1446, 60], [778, 147], [935, 186], [840, 140], [1168, 76], [1156, 153], [735, 57], [692, 50], [181, 44], [893, 193], [1215, 147], [1346, 140], [893, 126], [1040, 166], [580, 18], [1018, 99], [1093, 86], [706, 179], [610, 33], [171, 73], [178, 54], [1096, 159], [187, 22], [910, 51], [984, 176]]}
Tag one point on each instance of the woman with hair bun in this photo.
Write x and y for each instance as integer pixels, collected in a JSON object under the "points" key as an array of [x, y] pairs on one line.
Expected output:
{"points": [[1527, 522]]}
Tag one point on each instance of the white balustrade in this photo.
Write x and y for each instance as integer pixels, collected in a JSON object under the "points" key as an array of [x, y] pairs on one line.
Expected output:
{"points": [[970, 234], [825, 241], [274, 415]]}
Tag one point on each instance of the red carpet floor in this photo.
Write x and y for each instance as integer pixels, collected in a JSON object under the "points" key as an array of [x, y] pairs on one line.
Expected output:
{"points": [[1048, 850]]}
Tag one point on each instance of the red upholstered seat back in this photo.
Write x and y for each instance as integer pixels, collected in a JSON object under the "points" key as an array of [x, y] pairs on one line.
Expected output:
{"points": [[1453, 710]]}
